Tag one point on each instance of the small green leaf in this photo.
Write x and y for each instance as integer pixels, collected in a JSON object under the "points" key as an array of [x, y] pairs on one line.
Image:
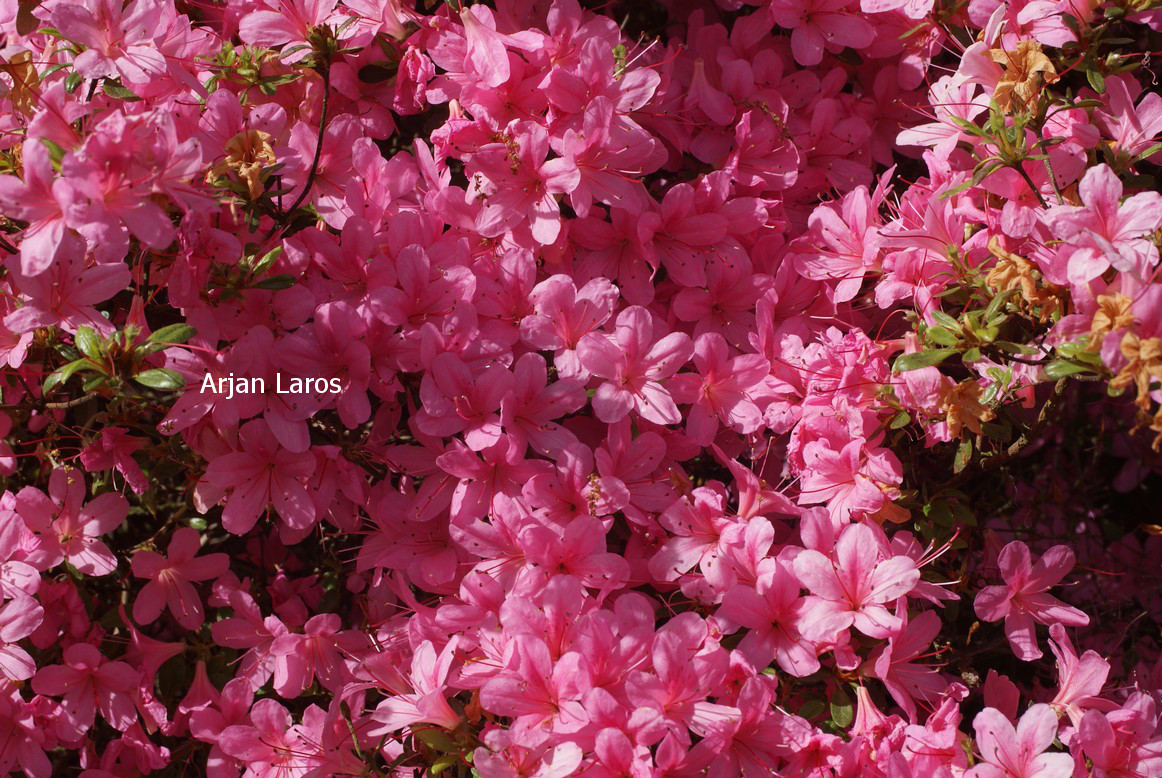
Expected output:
{"points": [[160, 378], [941, 336], [1151, 151], [901, 420], [64, 373], [267, 259], [88, 342], [436, 739], [442, 764], [919, 359], [945, 320], [115, 90], [972, 355], [1060, 368], [174, 333], [1097, 81], [963, 455], [283, 281], [842, 710], [812, 709]]}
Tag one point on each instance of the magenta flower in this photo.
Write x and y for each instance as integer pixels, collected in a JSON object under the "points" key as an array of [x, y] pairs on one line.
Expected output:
{"points": [[820, 25], [1107, 230], [172, 577], [270, 745], [516, 183], [565, 314], [1024, 598], [88, 683], [113, 449], [119, 39], [633, 365], [262, 473], [69, 529]]}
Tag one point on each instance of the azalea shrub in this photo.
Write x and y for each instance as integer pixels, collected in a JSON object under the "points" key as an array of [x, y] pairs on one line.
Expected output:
{"points": [[558, 387]]}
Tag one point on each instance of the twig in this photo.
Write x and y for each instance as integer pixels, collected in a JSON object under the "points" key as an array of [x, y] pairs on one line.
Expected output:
{"points": [[50, 406]]}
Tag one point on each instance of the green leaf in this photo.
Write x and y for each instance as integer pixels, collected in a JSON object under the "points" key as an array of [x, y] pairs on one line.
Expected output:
{"points": [[812, 709], [88, 343], [972, 355], [268, 259], [941, 336], [283, 281], [174, 333], [901, 419], [1097, 81], [944, 319], [442, 764], [1148, 152], [435, 739], [842, 710], [64, 373], [1060, 368], [963, 455], [1009, 347], [919, 359], [160, 378], [118, 92]]}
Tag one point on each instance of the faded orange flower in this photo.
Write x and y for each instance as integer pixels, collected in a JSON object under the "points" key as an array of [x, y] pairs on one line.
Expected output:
{"points": [[247, 154], [1027, 70], [963, 409]]}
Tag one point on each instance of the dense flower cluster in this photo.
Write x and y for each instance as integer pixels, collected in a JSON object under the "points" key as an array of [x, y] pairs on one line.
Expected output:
{"points": [[544, 388]]}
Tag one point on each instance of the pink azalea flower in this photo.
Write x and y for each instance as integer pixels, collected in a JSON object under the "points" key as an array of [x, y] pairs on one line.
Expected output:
{"points": [[1107, 230], [516, 183], [261, 474], [271, 745], [1079, 679], [633, 365], [286, 23], [38, 200], [428, 700], [67, 291], [88, 682], [19, 618], [564, 315], [22, 739], [171, 579], [537, 692], [69, 529], [820, 25], [852, 588], [299, 659], [1019, 753], [457, 399], [1024, 598], [719, 393], [773, 612], [113, 448], [119, 39]]}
